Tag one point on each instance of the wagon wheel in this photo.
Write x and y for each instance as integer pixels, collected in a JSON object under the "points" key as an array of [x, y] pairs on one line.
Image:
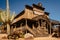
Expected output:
{"points": [[9, 36]]}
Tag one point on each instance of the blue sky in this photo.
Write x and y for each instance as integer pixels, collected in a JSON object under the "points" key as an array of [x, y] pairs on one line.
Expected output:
{"points": [[51, 6]]}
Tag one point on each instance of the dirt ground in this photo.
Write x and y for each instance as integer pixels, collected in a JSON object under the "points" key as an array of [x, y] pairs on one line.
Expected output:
{"points": [[38, 38]]}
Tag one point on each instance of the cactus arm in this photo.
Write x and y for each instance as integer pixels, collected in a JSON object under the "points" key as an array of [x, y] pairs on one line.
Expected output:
{"points": [[3, 16], [13, 15]]}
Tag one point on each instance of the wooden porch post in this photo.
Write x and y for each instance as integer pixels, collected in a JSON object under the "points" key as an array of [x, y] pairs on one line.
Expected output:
{"points": [[26, 25], [50, 28], [21, 25], [38, 25], [46, 25], [41, 24], [15, 28], [33, 27]]}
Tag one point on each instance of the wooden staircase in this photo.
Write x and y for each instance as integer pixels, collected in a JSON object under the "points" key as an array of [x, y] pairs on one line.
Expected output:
{"points": [[38, 32]]}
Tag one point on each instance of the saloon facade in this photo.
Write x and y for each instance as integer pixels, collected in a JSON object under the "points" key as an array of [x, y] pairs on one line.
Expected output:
{"points": [[33, 19]]}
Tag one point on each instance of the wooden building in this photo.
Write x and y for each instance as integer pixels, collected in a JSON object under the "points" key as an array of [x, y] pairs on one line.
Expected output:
{"points": [[33, 19]]}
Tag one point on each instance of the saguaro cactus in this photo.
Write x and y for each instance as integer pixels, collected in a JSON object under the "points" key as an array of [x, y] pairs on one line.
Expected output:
{"points": [[7, 18], [7, 22]]}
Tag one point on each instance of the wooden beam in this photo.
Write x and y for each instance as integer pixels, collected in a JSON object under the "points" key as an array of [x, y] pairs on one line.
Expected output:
{"points": [[29, 29]]}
